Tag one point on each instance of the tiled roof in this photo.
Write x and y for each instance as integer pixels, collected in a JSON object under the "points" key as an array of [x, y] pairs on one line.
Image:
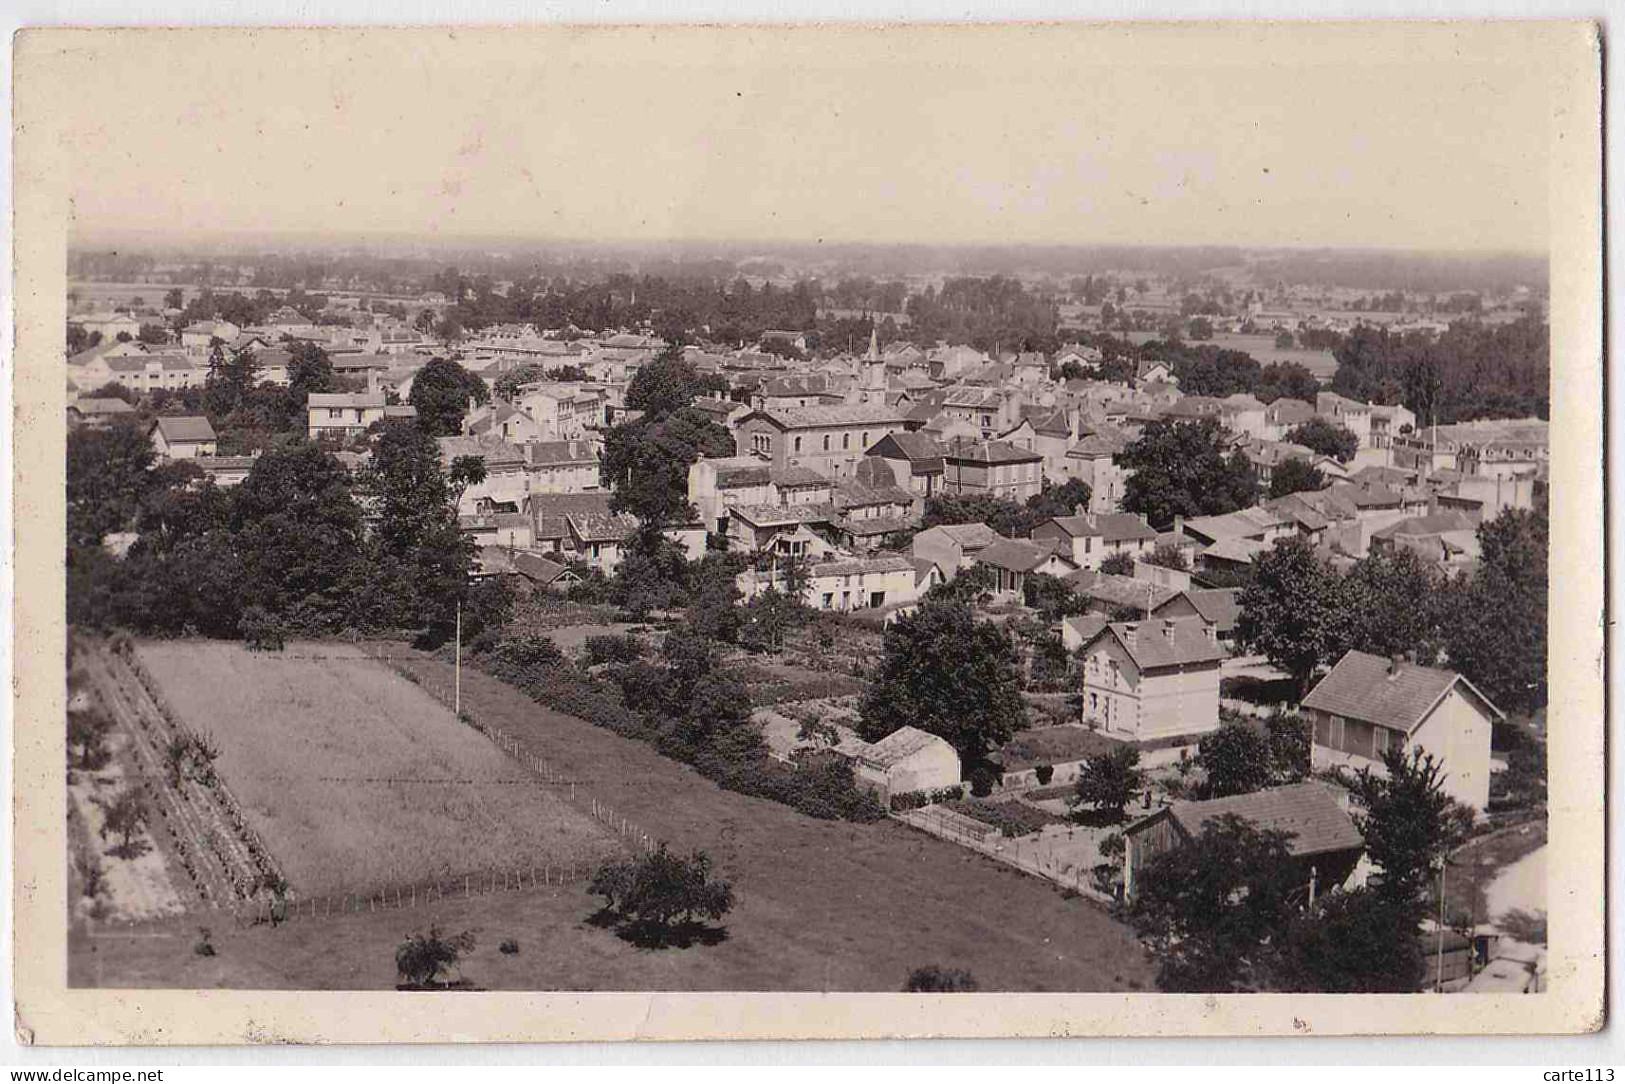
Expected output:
{"points": [[1437, 523], [1372, 689], [990, 452], [1015, 554], [538, 568], [850, 493], [915, 445], [817, 417], [184, 428], [101, 406], [797, 477], [1240, 550], [877, 525], [601, 526], [368, 400], [969, 535], [1309, 811], [880, 562], [1117, 590], [1110, 526], [782, 515], [1218, 605], [561, 453], [495, 452], [1289, 412]]}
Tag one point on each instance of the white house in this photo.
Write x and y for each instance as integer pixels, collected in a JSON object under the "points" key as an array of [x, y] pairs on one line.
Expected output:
{"points": [[1153, 679], [185, 437], [1369, 705], [906, 760]]}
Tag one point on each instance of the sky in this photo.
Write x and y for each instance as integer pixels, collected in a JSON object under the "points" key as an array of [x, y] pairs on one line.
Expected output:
{"points": [[1428, 137]]}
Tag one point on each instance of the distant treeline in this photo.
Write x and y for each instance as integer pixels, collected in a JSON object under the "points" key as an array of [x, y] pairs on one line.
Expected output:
{"points": [[1471, 371], [1414, 272]]}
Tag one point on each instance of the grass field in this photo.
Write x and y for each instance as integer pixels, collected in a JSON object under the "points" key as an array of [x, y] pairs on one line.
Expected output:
{"points": [[354, 777], [821, 905]]}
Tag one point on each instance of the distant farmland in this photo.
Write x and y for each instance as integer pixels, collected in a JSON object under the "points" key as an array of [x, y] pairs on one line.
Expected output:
{"points": [[355, 778]]}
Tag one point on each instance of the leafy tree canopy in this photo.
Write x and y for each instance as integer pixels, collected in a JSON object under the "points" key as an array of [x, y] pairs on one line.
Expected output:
{"points": [[1183, 468]]}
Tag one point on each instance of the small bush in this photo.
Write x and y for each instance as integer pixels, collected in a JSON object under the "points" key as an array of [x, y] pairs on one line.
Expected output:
{"points": [[422, 958], [981, 781], [1044, 773], [509, 947], [612, 649], [933, 979]]}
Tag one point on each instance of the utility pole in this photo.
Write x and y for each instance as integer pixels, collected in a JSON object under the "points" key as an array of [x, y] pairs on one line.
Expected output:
{"points": [[1439, 967], [457, 696]]}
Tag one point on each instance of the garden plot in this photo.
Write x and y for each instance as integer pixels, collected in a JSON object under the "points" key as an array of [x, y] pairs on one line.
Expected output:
{"points": [[355, 778]]}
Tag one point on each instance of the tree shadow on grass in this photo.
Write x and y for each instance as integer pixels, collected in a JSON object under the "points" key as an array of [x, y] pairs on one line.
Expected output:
{"points": [[645, 934]]}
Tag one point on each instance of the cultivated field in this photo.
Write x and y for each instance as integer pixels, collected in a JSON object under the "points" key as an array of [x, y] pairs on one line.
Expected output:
{"points": [[355, 778], [822, 905]]}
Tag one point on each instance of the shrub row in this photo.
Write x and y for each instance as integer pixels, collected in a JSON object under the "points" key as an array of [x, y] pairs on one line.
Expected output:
{"points": [[919, 799], [1011, 818], [822, 790], [822, 687]]}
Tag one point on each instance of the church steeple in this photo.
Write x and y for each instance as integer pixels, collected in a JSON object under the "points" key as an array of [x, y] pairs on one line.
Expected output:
{"points": [[874, 345]]}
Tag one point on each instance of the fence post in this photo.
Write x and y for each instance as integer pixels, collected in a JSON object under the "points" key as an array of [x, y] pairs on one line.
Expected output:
{"points": [[465, 886]]}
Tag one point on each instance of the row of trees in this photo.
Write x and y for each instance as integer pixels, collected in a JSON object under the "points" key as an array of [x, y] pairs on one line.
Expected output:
{"points": [[1489, 625], [299, 544]]}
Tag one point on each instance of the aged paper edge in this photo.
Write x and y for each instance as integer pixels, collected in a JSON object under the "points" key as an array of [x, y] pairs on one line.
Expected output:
{"points": [[49, 1013]]}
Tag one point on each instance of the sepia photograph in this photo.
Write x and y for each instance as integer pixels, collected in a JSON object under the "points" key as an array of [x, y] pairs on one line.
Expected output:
{"points": [[692, 513]]}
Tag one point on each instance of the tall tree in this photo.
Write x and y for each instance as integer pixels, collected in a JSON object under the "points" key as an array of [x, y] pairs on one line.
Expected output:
{"points": [[1235, 759], [419, 556], [945, 672], [1409, 823], [1208, 909], [108, 472], [1184, 468], [1293, 610], [647, 463], [1354, 942], [1496, 634], [442, 391], [665, 385], [1295, 476], [1326, 438], [1394, 603], [309, 370], [299, 535]]}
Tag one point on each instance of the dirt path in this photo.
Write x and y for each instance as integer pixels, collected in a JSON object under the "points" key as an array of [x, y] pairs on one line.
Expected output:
{"points": [[1519, 887]]}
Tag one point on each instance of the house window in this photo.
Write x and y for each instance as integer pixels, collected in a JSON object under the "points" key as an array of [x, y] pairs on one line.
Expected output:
{"points": [[1335, 737], [846, 441], [798, 444], [866, 438], [826, 442], [1381, 742]]}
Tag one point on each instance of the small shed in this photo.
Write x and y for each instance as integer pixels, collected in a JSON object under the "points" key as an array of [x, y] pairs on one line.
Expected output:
{"points": [[1325, 844], [908, 759]]}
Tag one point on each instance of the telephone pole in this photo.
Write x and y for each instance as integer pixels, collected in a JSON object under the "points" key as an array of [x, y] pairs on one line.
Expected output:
{"points": [[457, 696]]}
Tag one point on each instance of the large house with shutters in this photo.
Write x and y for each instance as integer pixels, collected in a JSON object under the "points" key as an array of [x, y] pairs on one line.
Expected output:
{"points": [[991, 468], [827, 439], [1153, 679], [343, 415], [1369, 705], [1093, 538]]}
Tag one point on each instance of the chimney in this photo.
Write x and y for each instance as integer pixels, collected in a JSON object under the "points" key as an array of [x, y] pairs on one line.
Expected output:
{"points": [[1143, 522], [1077, 509], [1211, 631], [1168, 628], [1179, 525], [1091, 522], [1130, 631]]}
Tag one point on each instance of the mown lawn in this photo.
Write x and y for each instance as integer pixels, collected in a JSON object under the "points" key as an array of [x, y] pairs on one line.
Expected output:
{"points": [[822, 905]]}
